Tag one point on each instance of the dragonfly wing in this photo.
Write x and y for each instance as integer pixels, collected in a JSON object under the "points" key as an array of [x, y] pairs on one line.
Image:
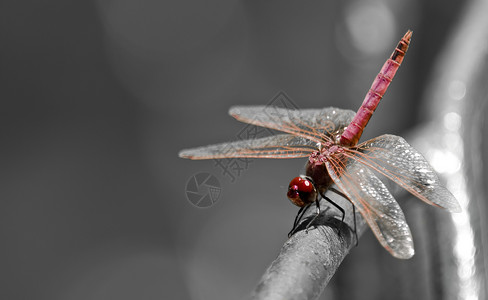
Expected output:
{"points": [[276, 146], [393, 157], [314, 124], [375, 203]]}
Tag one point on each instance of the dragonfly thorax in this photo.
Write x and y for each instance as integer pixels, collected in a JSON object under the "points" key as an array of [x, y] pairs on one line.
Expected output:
{"points": [[316, 164], [325, 152]]}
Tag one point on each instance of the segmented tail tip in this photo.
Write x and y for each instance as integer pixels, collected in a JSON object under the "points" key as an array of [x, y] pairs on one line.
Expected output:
{"points": [[408, 35]]}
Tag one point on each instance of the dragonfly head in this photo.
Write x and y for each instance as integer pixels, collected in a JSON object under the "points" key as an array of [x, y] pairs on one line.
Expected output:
{"points": [[302, 191]]}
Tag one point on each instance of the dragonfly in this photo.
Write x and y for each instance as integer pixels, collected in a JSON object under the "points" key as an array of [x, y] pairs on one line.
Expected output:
{"points": [[329, 138]]}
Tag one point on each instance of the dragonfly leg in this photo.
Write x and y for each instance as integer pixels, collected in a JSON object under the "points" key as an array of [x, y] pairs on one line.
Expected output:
{"points": [[353, 211], [299, 216], [336, 206], [317, 205], [355, 231]]}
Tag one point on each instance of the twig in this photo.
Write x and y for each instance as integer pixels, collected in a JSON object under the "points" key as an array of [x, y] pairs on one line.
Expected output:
{"points": [[308, 261]]}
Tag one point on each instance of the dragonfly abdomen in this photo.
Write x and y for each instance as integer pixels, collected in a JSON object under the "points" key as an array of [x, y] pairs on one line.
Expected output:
{"points": [[351, 135]]}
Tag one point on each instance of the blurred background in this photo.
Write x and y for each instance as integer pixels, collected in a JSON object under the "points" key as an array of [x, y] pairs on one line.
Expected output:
{"points": [[98, 97]]}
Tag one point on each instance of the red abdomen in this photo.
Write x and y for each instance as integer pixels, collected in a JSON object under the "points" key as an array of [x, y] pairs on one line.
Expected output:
{"points": [[351, 135]]}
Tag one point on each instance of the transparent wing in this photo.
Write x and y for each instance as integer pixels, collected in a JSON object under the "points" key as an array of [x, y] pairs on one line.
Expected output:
{"points": [[276, 146], [393, 157], [375, 203], [314, 124]]}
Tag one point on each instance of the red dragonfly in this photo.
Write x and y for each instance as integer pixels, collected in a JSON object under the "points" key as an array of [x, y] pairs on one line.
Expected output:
{"points": [[329, 138]]}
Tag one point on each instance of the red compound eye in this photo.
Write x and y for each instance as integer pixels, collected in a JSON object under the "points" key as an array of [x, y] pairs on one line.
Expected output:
{"points": [[301, 191]]}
